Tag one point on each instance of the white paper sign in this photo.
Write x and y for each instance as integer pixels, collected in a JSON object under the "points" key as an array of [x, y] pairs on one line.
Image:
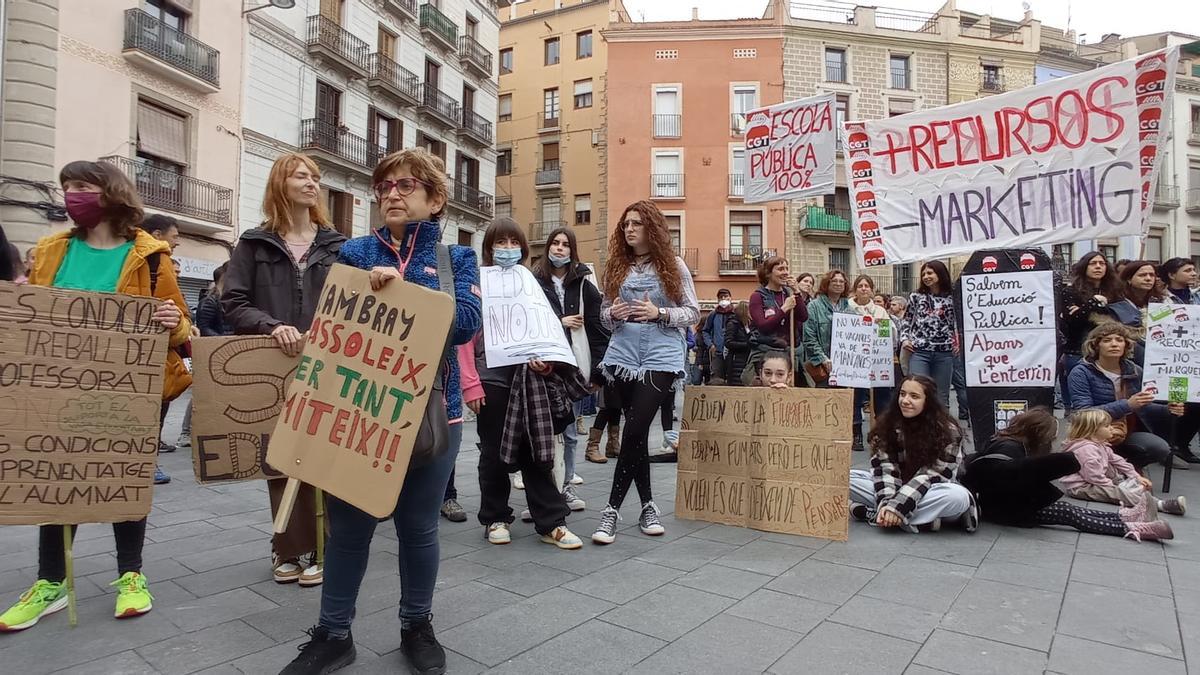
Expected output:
{"points": [[1173, 353], [861, 352], [1009, 332], [790, 150], [518, 322]]}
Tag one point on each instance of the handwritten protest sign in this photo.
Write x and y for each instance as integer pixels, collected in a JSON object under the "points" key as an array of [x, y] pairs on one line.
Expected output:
{"points": [[861, 352], [1173, 353], [1009, 329], [81, 378], [769, 459], [518, 322], [790, 150], [238, 389], [1067, 160], [355, 404]]}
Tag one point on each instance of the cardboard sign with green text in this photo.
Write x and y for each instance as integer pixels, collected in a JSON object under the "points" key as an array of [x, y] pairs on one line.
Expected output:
{"points": [[81, 378], [769, 459], [355, 404]]}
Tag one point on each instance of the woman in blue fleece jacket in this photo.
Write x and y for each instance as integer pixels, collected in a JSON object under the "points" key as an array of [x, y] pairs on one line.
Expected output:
{"points": [[412, 191]]}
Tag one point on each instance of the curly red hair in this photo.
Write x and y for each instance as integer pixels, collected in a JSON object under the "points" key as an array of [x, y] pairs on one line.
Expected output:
{"points": [[662, 253]]}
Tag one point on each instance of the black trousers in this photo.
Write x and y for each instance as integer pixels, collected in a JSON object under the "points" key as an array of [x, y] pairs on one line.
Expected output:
{"points": [[52, 564], [546, 503], [1084, 520], [642, 400]]}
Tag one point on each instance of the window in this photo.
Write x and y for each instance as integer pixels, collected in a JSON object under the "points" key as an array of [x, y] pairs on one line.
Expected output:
{"points": [[504, 162], [433, 145], [341, 211], [583, 209], [675, 229], [504, 209], [835, 65], [468, 170], [899, 70], [583, 45], [899, 107], [992, 78], [745, 233], [505, 103], [465, 238], [841, 113], [551, 211], [1154, 247], [549, 156], [506, 61], [384, 132], [550, 109], [552, 52], [161, 137], [171, 16], [839, 259], [1060, 258], [387, 43], [668, 175], [329, 104], [667, 120], [902, 278], [737, 173], [1109, 251], [1195, 129], [1194, 252], [745, 99], [472, 28], [583, 94]]}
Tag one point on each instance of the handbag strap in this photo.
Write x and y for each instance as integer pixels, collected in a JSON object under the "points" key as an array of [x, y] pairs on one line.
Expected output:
{"points": [[445, 270]]}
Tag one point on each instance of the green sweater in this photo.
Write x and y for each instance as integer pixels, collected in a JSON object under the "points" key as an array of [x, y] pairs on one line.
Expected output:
{"points": [[818, 330]]}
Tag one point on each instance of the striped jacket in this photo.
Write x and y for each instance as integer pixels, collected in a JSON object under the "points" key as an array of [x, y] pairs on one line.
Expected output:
{"points": [[902, 497]]}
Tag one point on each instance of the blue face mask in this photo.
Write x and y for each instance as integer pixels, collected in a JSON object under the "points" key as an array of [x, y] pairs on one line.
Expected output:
{"points": [[559, 261], [506, 257]]}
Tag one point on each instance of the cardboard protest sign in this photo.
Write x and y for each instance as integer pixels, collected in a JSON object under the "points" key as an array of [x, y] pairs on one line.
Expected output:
{"points": [[1009, 334], [354, 407], [790, 150], [238, 388], [770, 459], [861, 352], [1071, 159], [518, 322], [1173, 353], [81, 378]]}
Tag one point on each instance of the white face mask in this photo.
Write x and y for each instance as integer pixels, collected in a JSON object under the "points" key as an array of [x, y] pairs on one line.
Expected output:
{"points": [[725, 303]]}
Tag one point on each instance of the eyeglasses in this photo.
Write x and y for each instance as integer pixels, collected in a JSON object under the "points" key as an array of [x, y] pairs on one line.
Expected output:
{"points": [[404, 186], [626, 224]]}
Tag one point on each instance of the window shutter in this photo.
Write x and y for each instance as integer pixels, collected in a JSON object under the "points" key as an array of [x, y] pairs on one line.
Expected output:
{"points": [[162, 133], [372, 126], [396, 137]]}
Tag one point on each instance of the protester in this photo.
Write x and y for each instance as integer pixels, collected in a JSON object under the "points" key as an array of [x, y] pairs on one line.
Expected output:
{"points": [[831, 298], [608, 417], [472, 394], [1011, 478], [915, 447], [1107, 378], [771, 304], [11, 267], [804, 286], [29, 258], [271, 287], [649, 302], [701, 358], [104, 252], [897, 304], [576, 302], [411, 189], [165, 228], [929, 332], [1179, 276], [210, 322], [865, 302], [1084, 304], [1120, 265], [714, 336], [880, 300], [737, 342], [775, 371]]}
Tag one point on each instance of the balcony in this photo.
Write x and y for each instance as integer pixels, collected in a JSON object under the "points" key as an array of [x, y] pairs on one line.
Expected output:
{"points": [[1192, 200], [474, 56], [1194, 136], [550, 177], [691, 258], [438, 27], [172, 54], [737, 185], [992, 82], [820, 221], [439, 106], [335, 143], [835, 71], [668, 126], [737, 123], [334, 44], [549, 124], [475, 127], [1166, 196], [540, 231], [392, 79], [744, 260], [405, 9], [205, 205], [471, 199], [666, 186]]}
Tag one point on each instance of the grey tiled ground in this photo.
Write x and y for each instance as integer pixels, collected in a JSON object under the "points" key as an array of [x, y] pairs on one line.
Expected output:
{"points": [[703, 599]]}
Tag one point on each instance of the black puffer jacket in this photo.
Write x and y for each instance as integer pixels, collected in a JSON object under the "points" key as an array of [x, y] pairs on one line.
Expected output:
{"points": [[737, 347], [575, 286], [1010, 485]]}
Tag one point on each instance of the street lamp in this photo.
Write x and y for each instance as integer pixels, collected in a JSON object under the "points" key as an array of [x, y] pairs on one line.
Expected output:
{"points": [[278, 4]]}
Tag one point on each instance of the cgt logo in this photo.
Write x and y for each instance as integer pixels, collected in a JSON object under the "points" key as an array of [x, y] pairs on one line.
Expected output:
{"points": [[1028, 262], [758, 137], [865, 199], [1148, 120], [857, 142], [1150, 82], [990, 264], [874, 257], [860, 170], [1148, 154], [869, 229]]}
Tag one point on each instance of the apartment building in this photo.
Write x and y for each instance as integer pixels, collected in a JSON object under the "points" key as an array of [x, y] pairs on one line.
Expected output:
{"points": [[678, 93], [348, 81], [552, 103]]}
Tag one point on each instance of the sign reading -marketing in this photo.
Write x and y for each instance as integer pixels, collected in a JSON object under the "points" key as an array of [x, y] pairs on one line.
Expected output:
{"points": [[1173, 353], [1009, 329], [790, 150]]}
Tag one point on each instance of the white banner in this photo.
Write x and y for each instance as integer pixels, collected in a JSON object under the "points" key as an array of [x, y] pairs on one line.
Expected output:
{"points": [[861, 352], [1009, 332], [1173, 353], [790, 150], [1069, 160], [518, 322]]}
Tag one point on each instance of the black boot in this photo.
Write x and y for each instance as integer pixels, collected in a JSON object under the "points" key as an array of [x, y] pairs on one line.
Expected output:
{"points": [[425, 655], [857, 445], [322, 654]]}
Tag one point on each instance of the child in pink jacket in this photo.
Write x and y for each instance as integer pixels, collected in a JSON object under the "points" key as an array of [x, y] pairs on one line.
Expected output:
{"points": [[472, 393]]}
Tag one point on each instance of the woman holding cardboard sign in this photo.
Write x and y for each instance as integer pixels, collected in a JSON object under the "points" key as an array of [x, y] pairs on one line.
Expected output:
{"points": [[270, 288], [105, 252]]}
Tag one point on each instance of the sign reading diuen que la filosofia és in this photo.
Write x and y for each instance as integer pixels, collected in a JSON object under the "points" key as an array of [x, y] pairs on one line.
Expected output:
{"points": [[81, 378], [790, 150], [1068, 160], [1173, 353], [355, 403]]}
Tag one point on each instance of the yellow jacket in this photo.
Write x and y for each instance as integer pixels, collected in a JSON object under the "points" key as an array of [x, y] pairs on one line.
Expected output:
{"points": [[134, 280]]}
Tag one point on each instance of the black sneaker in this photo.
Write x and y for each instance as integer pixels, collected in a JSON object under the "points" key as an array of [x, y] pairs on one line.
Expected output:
{"points": [[1187, 455], [164, 447], [425, 655], [322, 654]]}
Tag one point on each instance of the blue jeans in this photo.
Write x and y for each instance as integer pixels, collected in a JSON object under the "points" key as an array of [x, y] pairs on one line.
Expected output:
{"points": [[570, 440], [1069, 363], [416, 521], [960, 385], [937, 366], [883, 397]]}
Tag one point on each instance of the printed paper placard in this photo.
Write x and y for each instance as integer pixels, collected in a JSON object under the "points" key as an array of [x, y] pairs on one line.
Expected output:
{"points": [[861, 352], [1173, 353], [1009, 331], [790, 150]]}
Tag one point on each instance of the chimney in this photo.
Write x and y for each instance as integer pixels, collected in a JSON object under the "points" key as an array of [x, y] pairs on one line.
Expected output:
{"points": [[695, 14]]}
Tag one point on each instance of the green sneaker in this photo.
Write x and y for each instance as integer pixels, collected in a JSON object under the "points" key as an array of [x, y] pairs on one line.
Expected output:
{"points": [[46, 597], [132, 597]]}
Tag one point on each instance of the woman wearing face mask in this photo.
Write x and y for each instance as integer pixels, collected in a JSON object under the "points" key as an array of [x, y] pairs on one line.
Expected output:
{"points": [[105, 252], [1179, 275], [929, 332], [774, 306], [270, 288], [576, 301], [863, 303], [1142, 287], [1085, 303], [818, 330], [915, 448], [649, 303]]}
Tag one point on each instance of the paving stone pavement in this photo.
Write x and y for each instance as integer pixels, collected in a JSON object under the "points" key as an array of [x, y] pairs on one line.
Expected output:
{"points": [[702, 599]]}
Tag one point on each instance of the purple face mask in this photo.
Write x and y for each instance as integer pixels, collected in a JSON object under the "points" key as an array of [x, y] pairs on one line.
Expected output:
{"points": [[85, 209]]}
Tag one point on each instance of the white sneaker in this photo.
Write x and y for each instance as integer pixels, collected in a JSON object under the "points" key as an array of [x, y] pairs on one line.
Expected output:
{"points": [[573, 501], [497, 533], [576, 480], [563, 538], [313, 575], [518, 482], [526, 516], [287, 571]]}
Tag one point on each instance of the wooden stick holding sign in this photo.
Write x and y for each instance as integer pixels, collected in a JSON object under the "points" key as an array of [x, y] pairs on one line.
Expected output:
{"points": [[286, 503], [69, 566]]}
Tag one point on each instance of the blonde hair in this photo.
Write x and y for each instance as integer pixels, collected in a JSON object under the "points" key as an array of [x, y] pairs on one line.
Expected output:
{"points": [[1085, 423], [277, 207], [423, 165]]}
